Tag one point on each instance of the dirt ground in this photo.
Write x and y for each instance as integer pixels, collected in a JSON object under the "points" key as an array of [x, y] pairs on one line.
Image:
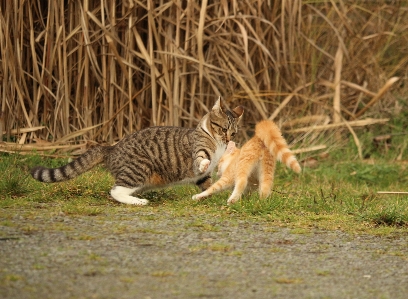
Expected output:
{"points": [[158, 255]]}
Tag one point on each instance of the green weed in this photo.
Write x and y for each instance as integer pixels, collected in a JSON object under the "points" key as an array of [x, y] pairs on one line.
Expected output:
{"points": [[334, 195], [13, 179]]}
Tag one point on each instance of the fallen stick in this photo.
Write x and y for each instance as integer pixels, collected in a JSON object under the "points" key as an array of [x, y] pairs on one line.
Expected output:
{"points": [[12, 147], [23, 130], [37, 153], [392, 192], [309, 149]]}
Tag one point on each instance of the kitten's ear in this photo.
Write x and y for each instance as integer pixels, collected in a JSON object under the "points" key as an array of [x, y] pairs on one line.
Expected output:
{"points": [[239, 111]]}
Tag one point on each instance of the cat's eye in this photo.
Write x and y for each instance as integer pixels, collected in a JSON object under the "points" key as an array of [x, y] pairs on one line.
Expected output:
{"points": [[224, 130], [232, 134]]}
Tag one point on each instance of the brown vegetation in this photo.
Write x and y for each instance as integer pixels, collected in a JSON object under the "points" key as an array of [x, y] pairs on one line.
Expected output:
{"points": [[76, 71]]}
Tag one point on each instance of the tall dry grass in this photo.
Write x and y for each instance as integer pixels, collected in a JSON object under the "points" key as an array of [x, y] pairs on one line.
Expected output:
{"points": [[74, 71]]}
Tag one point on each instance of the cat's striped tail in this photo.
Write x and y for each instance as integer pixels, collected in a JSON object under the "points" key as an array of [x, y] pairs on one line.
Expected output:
{"points": [[83, 163], [271, 136]]}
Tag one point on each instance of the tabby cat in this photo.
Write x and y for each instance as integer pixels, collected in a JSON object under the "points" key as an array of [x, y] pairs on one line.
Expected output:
{"points": [[157, 156], [255, 161]]}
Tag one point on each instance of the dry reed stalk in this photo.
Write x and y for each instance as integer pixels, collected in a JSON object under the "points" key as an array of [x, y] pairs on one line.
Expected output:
{"points": [[359, 88], [30, 153], [12, 147], [106, 68], [338, 64], [306, 120], [286, 101], [356, 123], [24, 130], [309, 149], [378, 96], [355, 138], [200, 38]]}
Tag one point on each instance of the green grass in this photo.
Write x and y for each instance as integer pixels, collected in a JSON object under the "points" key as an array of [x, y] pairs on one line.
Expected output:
{"points": [[334, 195]]}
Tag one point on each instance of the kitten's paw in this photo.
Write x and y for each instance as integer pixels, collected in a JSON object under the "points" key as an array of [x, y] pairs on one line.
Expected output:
{"points": [[232, 200], [204, 165], [198, 196]]}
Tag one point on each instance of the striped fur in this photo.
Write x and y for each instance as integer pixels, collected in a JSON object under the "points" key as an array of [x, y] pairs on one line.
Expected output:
{"points": [[157, 156], [85, 162], [255, 162]]}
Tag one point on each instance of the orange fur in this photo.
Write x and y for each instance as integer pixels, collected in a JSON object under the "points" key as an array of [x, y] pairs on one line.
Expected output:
{"points": [[255, 161]]}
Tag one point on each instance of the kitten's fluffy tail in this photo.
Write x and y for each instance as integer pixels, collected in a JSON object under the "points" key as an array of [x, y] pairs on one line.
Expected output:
{"points": [[271, 136], [83, 163]]}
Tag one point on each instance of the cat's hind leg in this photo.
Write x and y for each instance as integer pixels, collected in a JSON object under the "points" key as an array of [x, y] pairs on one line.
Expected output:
{"points": [[244, 169], [123, 195], [129, 180], [266, 175]]}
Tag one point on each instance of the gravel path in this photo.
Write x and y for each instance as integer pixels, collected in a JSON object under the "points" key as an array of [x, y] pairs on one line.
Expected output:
{"points": [[140, 254]]}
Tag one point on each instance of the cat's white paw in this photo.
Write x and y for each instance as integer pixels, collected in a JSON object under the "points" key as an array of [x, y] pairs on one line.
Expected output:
{"points": [[131, 200], [139, 201], [204, 165], [122, 194]]}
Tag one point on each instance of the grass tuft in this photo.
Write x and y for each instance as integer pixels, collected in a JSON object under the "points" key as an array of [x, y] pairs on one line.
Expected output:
{"points": [[390, 216], [13, 179]]}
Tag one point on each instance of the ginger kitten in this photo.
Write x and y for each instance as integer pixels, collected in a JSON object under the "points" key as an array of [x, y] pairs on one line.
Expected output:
{"points": [[254, 161]]}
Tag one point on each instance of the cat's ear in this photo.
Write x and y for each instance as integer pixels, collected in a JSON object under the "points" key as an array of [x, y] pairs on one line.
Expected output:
{"points": [[205, 124], [219, 107], [239, 111]]}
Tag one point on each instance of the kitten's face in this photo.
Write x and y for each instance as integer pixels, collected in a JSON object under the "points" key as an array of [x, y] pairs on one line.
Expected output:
{"points": [[224, 123]]}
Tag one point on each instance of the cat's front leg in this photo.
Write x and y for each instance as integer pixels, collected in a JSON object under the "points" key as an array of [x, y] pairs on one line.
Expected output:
{"points": [[202, 160], [204, 165]]}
